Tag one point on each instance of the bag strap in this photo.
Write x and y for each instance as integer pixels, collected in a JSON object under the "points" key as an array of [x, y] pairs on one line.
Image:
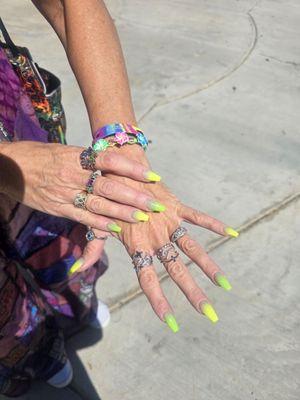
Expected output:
{"points": [[8, 39]]}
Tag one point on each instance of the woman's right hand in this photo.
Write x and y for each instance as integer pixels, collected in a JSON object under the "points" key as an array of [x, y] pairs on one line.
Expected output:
{"points": [[47, 177]]}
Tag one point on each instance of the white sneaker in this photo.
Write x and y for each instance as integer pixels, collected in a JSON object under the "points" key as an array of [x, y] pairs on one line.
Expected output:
{"points": [[63, 377], [102, 318]]}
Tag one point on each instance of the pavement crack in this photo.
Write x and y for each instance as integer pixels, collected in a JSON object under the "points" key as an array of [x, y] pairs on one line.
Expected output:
{"points": [[213, 82], [294, 63], [262, 216]]}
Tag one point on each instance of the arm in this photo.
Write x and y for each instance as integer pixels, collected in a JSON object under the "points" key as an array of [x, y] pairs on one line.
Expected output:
{"points": [[90, 39]]}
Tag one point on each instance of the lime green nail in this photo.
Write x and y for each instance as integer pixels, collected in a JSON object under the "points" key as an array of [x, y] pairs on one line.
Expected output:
{"points": [[156, 206], [77, 264], [113, 227], [140, 216], [230, 231], [222, 281], [152, 176], [171, 322], [209, 311]]}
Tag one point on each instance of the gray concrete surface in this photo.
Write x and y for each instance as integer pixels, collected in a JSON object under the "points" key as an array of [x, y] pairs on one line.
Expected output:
{"points": [[230, 71]]}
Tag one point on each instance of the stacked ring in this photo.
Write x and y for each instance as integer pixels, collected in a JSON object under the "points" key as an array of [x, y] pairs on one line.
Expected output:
{"points": [[91, 181], [167, 253], [178, 233], [141, 259], [90, 235]]}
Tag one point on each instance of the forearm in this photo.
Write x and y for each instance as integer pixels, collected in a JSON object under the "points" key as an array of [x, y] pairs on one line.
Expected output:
{"points": [[95, 55]]}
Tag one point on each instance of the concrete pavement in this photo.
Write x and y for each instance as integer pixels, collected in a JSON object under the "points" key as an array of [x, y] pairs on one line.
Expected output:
{"points": [[227, 74]]}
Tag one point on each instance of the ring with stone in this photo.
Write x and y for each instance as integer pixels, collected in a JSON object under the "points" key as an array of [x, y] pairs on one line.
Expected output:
{"points": [[88, 158], [178, 233], [90, 235], [167, 253], [80, 200], [91, 181], [141, 259]]}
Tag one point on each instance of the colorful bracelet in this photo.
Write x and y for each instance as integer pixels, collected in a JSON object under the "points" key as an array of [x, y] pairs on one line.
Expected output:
{"points": [[122, 134]]}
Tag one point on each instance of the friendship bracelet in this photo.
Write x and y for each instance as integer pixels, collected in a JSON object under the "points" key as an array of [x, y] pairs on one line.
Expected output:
{"points": [[111, 129]]}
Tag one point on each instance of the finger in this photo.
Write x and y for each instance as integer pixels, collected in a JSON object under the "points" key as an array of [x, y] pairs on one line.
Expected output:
{"points": [[124, 194], [184, 280], [93, 249], [108, 208], [88, 218], [206, 221], [120, 165], [199, 256], [149, 284]]}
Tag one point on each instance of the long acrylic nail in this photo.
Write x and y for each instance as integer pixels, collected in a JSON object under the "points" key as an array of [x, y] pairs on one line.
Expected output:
{"points": [[113, 227], [222, 281], [77, 264], [152, 176], [209, 311], [232, 232], [156, 206], [171, 322], [140, 216]]}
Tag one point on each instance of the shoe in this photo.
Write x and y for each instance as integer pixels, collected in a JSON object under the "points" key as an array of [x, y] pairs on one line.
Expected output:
{"points": [[102, 318], [63, 377]]}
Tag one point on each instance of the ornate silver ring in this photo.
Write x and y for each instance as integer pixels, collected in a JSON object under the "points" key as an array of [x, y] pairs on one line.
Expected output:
{"points": [[88, 158], [167, 253], [178, 233], [91, 181], [141, 259], [80, 200]]}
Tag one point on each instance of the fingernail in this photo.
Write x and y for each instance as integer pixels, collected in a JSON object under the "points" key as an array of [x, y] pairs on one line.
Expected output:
{"points": [[156, 206], [152, 176], [113, 227], [222, 281], [230, 231], [209, 311], [171, 322], [140, 216], [77, 264]]}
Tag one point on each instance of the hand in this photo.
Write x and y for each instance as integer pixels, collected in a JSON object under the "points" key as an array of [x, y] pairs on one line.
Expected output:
{"points": [[47, 177], [149, 237]]}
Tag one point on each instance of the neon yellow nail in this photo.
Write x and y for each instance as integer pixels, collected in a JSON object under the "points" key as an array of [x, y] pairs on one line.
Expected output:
{"points": [[140, 216], [152, 176], [113, 227], [222, 281], [209, 311], [77, 264], [171, 322], [230, 231], [156, 206]]}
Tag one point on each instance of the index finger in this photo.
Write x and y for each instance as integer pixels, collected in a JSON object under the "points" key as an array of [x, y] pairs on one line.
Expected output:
{"points": [[108, 161]]}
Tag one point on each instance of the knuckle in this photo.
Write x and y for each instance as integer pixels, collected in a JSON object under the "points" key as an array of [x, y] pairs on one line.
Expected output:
{"points": [[148, 280], [177, 270], [189, 245], [95, 204], [106, 187], [80, 216], [109, 160]]}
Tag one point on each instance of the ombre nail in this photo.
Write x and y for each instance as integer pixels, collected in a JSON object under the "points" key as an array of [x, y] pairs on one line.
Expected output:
{"points": [[156, 206], [140, 216], [113, 227], [209, 311], [230, 231], [222, 281], [171, 322], [152, 176], [77, 264]]}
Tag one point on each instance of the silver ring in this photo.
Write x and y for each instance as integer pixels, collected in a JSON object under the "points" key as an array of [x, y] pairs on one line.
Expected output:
{"points": [[80, 200], [167, 253], [90, 235], [178, 233], [91, 181], [141, 259]]}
